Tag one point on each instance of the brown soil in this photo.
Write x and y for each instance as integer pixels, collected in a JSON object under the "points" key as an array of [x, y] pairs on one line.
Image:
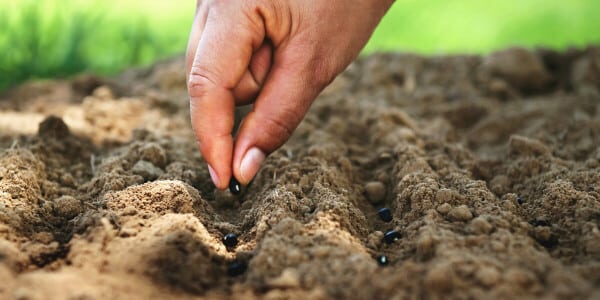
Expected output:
{"points": [[490, 165]]}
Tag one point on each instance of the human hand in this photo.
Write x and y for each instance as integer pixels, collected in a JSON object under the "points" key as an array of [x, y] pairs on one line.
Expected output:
{"points": [[277, 54]]}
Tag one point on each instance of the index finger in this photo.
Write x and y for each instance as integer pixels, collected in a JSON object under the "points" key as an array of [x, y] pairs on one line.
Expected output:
{"points": [[222, 57]]}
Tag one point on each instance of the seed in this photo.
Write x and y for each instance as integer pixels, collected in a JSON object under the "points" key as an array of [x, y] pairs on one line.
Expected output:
{"points": [[230, 240], [385, 214], [551, 242], [391, 236], [382, 260], [520, 200], [236, 268], [539, 222], [234, 186]]}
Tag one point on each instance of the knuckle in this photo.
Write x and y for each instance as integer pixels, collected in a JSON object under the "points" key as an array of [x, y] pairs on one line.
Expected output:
{"points": [[280, 128], [316, 69], [199, 83]]}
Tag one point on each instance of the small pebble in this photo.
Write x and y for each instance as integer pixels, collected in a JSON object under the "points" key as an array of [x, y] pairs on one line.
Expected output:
{"points": [[375, 239], [391, 236], [67, 207], [288, 279], [488, 276], [375, 191], [147, 170], [460, 213], [234, 186], [522, 68], [153, 153], [236, 268], [385, 214], [444, 208], [480, 225], [382, 260], [230, 240]]}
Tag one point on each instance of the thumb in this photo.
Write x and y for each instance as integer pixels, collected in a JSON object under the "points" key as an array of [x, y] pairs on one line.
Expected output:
{"points": [[289, 90]]}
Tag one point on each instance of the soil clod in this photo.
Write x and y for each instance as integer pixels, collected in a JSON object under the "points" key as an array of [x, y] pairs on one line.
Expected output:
{"points": [[375, 191]]}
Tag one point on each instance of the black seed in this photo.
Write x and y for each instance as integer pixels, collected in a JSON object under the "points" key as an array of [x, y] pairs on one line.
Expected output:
{"points": [[540, 222], [550, 243], [391, 236], [234, 186], [520, 200], [385, 214], [382, 260], [236, 268], [230, 240]]}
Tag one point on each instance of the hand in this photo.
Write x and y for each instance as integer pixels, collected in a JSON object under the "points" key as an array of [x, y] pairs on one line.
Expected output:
{"points": [[277, 54]]}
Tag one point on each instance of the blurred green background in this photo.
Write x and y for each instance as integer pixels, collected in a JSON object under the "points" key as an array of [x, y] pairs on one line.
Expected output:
{"points": [[58, 38]]}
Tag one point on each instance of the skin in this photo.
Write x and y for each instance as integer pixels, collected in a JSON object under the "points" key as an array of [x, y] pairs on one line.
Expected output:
{"points": [[276, 54]]}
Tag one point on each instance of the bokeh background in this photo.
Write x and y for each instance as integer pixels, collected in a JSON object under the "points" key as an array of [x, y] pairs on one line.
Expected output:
{"points": [[59, 38]]}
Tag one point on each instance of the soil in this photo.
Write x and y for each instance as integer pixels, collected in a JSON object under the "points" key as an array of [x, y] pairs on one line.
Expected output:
{"points": [[490, 166]]}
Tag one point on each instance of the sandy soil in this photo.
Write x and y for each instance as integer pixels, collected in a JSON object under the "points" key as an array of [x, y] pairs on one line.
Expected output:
{"points": [[490, 166]]}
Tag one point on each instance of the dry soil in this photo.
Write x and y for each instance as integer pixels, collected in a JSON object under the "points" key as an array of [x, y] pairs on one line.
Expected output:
{"points": [[490, 166]]}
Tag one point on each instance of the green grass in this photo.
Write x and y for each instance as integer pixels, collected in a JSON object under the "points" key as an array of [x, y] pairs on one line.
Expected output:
{"points": [[477, 26], [58, 38]]}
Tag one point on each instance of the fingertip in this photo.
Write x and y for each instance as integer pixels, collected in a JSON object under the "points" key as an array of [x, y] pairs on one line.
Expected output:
{"points": [[219, 179], [250, 163], [213, 175], [218, 155]]}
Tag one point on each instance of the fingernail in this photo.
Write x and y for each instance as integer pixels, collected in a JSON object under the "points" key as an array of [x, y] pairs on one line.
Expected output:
{"points": [[251, 163], [213, 175]]}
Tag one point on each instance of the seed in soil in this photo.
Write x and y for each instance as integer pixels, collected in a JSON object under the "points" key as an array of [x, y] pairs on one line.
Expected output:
{"points": [[230, 240], [540, 222], [234, 186], [382, 260], [385, 214], [236, 268], [391, 236], [549, 243]]}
